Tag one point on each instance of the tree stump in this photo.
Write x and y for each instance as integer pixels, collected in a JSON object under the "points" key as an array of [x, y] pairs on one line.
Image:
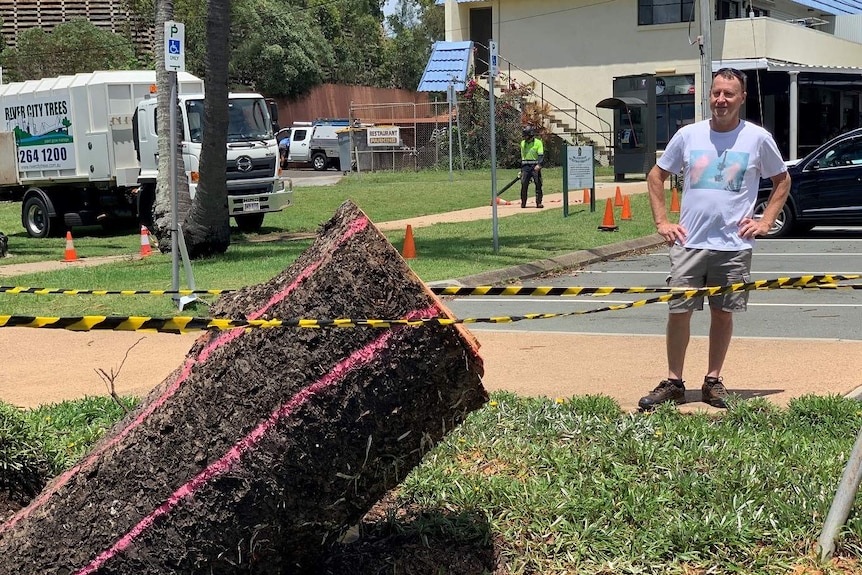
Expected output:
{"points": [[266, 444]]}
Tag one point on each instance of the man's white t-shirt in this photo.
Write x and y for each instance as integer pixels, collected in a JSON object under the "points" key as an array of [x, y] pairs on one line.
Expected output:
{"points": [[722, 173]]}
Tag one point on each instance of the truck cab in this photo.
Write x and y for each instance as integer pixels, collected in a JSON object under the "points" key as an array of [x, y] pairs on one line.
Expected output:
{"points": [[254, 184]]}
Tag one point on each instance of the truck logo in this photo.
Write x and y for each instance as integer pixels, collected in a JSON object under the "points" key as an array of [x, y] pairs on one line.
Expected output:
{"points": [[244, 163]]}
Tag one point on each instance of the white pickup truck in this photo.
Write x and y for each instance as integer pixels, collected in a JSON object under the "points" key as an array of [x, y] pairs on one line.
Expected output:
{"points": [[315, 143]]}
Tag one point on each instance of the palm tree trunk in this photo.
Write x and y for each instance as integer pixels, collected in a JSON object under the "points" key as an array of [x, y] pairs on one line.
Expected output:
{"points": [[162, 208], [207, 226]]}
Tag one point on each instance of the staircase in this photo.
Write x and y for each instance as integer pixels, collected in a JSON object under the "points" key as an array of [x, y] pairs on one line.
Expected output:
{"points": [[573, 123]]}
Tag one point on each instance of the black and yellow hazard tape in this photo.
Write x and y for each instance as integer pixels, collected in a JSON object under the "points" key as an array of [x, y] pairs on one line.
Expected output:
{"points": [[183, 324], [64, 291], [822, 281]]}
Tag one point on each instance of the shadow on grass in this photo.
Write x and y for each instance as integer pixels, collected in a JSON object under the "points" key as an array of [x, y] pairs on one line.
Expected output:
{"points": [[416, 541]]}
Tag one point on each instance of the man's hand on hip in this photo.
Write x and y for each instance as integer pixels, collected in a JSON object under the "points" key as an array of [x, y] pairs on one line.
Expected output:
{"points": [[749, 228], [672, 233]]}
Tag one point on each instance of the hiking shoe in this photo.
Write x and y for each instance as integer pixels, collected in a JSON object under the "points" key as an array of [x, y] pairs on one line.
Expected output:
{"points": [[668, 390], [713, 392]]}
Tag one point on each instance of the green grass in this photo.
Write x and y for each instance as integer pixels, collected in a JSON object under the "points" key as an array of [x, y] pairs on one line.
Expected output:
{"points": [[577, 486]]}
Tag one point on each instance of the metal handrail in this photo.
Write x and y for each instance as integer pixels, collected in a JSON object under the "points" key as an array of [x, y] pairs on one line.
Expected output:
{"points": [[607, 134]]}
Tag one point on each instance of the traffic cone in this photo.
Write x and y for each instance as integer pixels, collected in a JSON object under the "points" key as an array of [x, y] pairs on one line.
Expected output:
{"points": [[586, 195], [627, 209], [608, 224], [70, 255], [674, 202], [408, 252], [618, 199], [146, 248], [502, 202]]}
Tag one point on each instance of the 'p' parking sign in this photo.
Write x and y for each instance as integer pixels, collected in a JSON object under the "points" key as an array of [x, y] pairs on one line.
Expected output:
{"points": [[175, 51]]}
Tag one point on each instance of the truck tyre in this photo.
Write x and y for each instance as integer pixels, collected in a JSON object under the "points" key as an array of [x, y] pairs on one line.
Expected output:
{"points": [[146, 199], [319, 161], [249, 223], [36, 219]]}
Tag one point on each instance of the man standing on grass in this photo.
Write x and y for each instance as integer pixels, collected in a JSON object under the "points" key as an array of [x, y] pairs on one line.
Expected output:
{"points": [[532, 155], [723, 160]]}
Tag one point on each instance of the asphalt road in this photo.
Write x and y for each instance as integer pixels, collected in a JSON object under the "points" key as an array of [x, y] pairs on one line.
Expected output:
{"points": [[815, 314]]}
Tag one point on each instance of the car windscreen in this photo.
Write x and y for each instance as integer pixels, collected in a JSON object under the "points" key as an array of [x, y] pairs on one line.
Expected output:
{"points": [[248, 119]]}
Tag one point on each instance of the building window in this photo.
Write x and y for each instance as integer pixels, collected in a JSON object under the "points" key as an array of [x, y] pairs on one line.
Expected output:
{"points": [[664, 11]]}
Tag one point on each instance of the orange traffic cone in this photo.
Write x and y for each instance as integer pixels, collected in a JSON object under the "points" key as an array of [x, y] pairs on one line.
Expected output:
{"points": [[674, 202], [618, 199], [608, 224], [408, 252], [502, 202], [586, 195], [70, 255], [627, 209], [146, 248]]}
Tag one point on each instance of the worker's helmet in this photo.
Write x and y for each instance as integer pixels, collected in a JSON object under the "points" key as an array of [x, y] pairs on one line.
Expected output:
{"points": [[527, 131]]}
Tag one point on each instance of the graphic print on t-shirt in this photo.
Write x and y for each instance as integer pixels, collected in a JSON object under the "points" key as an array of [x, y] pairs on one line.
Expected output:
{"points": [[718, 172]]}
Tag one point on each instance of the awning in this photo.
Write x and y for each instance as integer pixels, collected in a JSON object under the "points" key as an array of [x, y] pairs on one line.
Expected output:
{"points": [[621, 103], [780, 66]]}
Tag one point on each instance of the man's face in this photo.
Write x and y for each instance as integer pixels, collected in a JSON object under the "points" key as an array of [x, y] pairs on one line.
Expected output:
{"points": [[726, 98]]}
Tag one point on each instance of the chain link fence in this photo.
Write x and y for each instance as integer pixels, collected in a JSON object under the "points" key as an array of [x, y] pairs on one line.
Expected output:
{"points": [[429, 133]]}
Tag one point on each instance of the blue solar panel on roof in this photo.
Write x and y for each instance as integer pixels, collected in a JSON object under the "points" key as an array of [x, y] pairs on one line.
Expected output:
{"points": [[448, 63]]}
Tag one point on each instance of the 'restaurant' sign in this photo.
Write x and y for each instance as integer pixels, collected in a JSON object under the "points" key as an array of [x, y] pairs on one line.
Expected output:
{"points": [[387, 136]]}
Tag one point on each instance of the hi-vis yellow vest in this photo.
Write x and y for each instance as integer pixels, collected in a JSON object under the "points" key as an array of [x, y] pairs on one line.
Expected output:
{"points": [[531, 151]]}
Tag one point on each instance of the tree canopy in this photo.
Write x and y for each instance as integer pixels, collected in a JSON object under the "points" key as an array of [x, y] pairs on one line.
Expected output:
{"points": [[277, 47], [72, 47]]}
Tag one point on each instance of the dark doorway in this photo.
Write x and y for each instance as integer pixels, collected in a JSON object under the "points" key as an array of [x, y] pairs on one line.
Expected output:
{"points": [[480, 32]]}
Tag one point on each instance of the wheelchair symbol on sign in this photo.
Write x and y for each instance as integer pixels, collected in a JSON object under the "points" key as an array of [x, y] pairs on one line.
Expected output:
{"points": [[174, 46]]}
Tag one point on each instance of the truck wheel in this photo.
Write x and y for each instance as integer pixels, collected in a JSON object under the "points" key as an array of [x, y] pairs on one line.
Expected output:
{"points": [[146, 199], [35, 218], [319, 162], [249, 223]]}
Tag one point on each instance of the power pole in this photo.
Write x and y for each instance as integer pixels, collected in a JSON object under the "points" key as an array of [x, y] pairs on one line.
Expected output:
{"points": [[705, 56]]}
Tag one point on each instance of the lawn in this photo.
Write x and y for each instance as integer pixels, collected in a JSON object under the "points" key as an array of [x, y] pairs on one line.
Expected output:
{"points": [[525, 485]]}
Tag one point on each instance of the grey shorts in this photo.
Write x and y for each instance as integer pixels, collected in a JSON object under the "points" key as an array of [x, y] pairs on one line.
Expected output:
{"points": [[697, 268]]}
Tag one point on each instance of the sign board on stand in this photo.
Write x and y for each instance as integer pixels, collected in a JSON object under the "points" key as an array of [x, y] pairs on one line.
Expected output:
{"points": [[579, 172]]}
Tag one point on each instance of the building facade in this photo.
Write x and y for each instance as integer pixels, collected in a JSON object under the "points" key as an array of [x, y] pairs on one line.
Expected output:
{"points": [[797, 66]]}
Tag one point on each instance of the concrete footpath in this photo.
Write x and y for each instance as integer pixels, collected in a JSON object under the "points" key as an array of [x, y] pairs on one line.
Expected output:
{"points": [[556, 365]]}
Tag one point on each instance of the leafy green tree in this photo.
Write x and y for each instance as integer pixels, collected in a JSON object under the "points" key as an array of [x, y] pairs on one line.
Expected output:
{"points": [[277, 48], [72, 47], [414, 27], [355, 32]]}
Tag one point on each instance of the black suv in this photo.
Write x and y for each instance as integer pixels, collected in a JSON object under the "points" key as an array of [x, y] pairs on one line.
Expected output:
{"points": [[826, 188]]}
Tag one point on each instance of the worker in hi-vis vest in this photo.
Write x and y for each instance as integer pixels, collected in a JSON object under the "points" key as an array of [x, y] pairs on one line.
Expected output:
{"points": [[532, 154]]}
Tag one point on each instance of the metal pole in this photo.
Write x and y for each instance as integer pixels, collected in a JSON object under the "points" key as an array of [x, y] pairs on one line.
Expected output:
{"points": [[175, 251], [794, 115], [705, 57], [493, 158], [844, 498], [449, 91]]}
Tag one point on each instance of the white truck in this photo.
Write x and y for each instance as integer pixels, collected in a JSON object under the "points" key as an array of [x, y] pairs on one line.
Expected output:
{"points": [[83, 150], [316, 143]]}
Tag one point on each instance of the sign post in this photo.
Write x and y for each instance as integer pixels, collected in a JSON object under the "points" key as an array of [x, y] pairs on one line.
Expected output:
{"points": [[579, 172], [492, 77], [175, 61]]}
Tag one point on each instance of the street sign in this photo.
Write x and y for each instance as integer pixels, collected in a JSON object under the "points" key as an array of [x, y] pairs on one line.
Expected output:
{"points": [[495, 64], [175, 46]]}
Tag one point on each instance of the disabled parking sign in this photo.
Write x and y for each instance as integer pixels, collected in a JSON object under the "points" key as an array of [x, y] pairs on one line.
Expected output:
{"points": [[175, 52]]}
